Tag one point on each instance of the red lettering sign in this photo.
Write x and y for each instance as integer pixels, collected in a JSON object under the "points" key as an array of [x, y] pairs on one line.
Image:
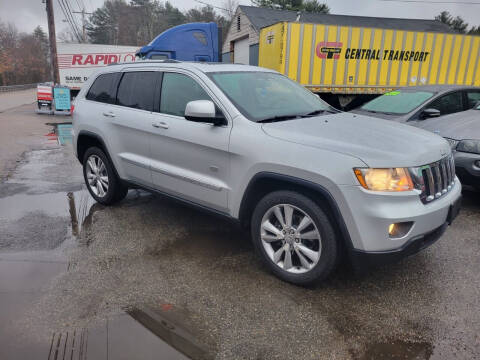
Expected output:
{"points": [[77, 60], [99, 58]]}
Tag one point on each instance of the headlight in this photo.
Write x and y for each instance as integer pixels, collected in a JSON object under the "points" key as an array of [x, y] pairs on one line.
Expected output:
{"points": [[470, 146], [395, 179]]}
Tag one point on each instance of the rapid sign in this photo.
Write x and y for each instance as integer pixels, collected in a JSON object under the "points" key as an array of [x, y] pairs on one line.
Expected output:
{"points": [[76, 62]]}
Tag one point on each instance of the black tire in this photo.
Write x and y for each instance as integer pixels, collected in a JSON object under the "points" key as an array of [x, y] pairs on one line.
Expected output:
{"points": [[329, 246], [116, 190]]}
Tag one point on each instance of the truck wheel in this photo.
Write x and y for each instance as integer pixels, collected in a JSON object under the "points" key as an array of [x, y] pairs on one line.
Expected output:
{"points": [[101, 179], [294, 237]]}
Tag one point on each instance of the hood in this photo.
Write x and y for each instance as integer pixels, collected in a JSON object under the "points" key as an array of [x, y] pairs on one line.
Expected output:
{"points": [[378, 143], [458, 126]]}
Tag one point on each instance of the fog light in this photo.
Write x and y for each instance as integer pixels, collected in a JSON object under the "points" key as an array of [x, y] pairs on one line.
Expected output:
{"points": [[398, 230], [477, 163], [391, 229]]}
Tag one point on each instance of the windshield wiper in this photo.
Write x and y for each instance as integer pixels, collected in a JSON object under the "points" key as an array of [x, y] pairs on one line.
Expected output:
{"points": [[279, 118], [320, 111], [380, 112], [296, 116]]}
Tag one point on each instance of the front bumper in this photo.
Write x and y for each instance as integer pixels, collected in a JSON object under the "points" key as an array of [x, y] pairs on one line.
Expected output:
{"points": [[363, 260], [466, 170], [369, 214]]}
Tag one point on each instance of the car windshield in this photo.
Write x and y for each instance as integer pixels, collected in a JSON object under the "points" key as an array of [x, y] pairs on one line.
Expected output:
{"points": [[397, 102], [264, 96]]}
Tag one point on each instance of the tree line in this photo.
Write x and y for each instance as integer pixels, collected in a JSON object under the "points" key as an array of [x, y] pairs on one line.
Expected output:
{"points": [[137, 22], [457, 23], [24, 57]]}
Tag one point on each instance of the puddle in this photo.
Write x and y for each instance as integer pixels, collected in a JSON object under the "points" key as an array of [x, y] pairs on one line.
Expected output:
{"points": [[44, 171], [61, 133], [398, 350], [43, 221]]}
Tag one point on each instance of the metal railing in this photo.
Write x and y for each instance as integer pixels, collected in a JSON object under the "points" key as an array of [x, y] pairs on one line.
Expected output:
{"points": [[9, 88]]}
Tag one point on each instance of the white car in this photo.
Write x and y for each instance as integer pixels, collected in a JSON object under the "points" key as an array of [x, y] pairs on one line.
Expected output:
{"points": [[248, 143]]}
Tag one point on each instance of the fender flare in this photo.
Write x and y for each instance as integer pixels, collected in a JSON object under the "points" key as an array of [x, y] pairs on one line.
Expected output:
{"points": [[337, 215], [93, 135]]}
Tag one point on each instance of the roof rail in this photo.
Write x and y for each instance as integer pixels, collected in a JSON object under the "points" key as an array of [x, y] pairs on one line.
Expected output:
{"points": [[167, 61]]}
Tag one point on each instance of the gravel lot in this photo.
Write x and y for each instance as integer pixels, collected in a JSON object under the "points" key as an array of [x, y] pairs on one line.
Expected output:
{"points": [[69, 266]]}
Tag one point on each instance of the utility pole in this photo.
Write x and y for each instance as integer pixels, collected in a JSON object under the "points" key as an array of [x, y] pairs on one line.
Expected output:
{"points": [[53, 43], [83, 13]]}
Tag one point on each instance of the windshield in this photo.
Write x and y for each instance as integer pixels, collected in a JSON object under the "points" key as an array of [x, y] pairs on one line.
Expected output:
{"points": [[397, 102], [263, 95]]}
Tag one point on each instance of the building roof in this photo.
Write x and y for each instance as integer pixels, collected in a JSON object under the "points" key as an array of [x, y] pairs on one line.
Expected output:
{"points": [[261, 17]]}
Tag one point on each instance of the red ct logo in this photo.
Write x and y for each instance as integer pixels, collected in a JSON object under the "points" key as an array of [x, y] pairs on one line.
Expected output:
{"points": [[329, 50]]}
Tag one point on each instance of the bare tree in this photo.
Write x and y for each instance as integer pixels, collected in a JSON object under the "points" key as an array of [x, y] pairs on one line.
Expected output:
{"points": [[229, 8], [23, 57]]}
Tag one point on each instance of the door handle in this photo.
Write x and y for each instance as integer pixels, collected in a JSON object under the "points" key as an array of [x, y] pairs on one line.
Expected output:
{"points": [[160, 124], [109, 114]]}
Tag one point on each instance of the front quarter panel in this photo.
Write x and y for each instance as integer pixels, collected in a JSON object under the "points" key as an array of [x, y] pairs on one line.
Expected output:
{"points": [[253, 152]]}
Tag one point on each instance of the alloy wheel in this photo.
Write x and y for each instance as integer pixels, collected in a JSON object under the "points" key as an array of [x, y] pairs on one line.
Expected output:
{"points": [[97, 176], [290, 238]]}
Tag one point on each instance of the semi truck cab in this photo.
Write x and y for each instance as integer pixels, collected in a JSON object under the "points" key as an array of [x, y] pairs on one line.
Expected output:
{"points": [[187, 42]]}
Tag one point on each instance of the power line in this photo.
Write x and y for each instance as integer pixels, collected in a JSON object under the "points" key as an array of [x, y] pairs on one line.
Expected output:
{"points": [[78, 4], [71, 15], [69, 18], [213, 6], [84, 23], [67, 4], [435, 2]]}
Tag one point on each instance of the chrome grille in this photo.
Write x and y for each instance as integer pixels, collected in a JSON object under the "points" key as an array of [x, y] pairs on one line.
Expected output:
{"points": [[434, 180]]}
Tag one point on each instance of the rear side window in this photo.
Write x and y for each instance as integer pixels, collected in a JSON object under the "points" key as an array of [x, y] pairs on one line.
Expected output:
{"points": [[473, 97], [103, 88], [137, 89], [448, 104], [177, 91]]}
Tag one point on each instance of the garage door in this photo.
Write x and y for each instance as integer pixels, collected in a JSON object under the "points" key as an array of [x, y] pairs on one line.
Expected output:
{"points": [[241, 52]]}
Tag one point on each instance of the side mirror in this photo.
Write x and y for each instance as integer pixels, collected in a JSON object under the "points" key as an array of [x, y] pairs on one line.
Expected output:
{"points": [[203, 111], [430, 113]]}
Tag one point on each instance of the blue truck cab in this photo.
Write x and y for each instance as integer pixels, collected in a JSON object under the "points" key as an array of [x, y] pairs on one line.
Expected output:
{"points": [[187, 42]]}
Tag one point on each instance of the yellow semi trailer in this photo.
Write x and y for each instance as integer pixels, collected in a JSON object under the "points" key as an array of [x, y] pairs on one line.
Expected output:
{"points": [[347, 60]]}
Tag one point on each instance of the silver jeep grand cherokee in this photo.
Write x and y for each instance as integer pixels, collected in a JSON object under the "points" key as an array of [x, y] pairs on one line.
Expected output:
{"points": [[252, 145]]}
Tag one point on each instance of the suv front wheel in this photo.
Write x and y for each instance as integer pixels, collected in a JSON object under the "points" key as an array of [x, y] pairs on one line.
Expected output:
{"points": [[101, 180], [294, 237]]}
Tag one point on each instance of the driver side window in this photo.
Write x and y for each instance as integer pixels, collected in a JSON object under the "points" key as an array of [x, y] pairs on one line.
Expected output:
{"points": [[177, 91], [448, 104]]}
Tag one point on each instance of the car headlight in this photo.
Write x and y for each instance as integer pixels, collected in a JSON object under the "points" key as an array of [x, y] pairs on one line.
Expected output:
{"points": [[470, 146], [394, 179]]}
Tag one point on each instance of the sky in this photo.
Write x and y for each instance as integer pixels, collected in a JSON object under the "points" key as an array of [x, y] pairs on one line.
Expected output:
{"points": [[27, 14]]}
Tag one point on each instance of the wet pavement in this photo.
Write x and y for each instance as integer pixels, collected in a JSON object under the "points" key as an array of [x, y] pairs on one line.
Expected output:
{"points": [[149, 278]]}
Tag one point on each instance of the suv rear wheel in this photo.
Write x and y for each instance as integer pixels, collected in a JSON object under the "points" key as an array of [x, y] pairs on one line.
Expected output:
{"points": [[294, 237], [101, 179]]}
